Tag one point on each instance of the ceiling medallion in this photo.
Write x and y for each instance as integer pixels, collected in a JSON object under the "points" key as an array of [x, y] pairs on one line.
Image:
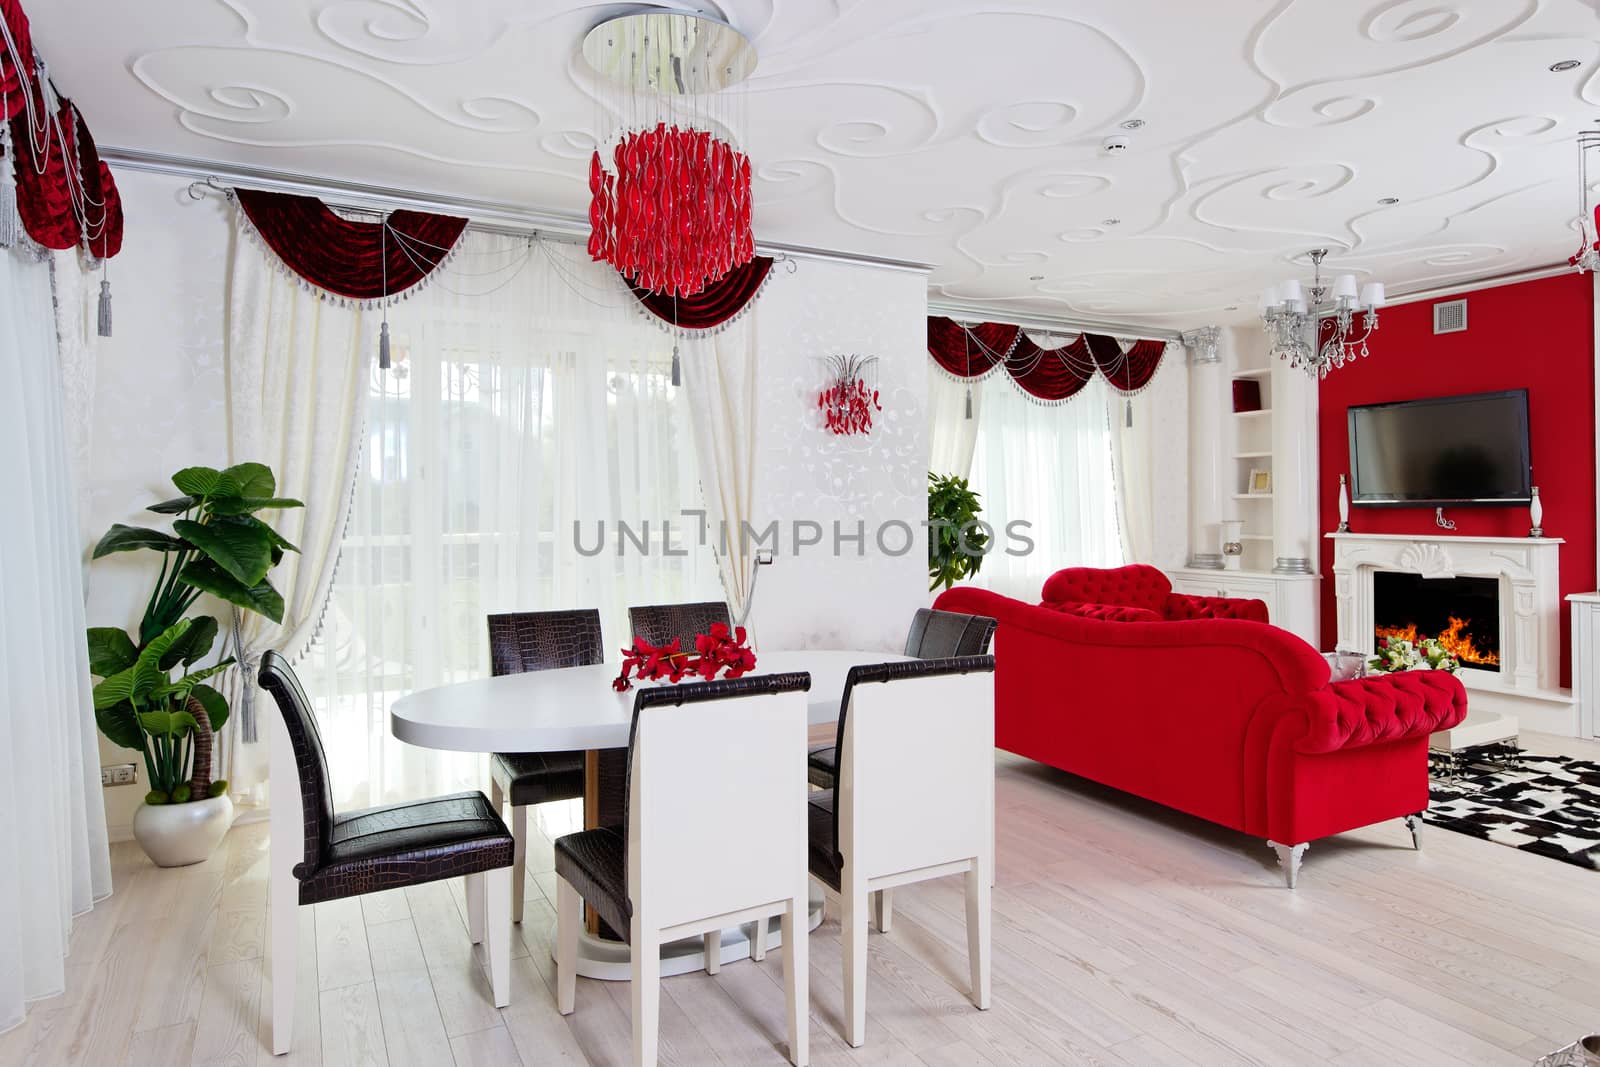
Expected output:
{"points": [[1295, 323], [1587, 258], [671, 212]]}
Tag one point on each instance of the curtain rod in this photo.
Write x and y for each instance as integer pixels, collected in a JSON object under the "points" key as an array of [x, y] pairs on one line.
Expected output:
{"points": [[488, 215], [964, 312]]}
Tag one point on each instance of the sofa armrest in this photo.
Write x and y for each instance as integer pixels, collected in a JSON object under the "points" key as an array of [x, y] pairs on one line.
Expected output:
{"points": [[1381, 708], [1187, 606]]}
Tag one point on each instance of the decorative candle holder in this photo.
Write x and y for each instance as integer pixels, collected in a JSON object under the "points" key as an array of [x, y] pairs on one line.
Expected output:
{"points": [[1536, 514], [1344, 504]]}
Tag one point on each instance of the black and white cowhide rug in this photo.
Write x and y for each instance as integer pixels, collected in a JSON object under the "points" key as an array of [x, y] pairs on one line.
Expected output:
{"points": [[1549, 806]]}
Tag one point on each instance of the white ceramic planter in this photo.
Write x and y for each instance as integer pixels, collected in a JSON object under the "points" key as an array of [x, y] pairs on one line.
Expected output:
{"points": [[176, 835]]}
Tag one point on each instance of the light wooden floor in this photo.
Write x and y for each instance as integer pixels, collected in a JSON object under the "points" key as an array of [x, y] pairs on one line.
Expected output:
{"points": [[1123, 934]]}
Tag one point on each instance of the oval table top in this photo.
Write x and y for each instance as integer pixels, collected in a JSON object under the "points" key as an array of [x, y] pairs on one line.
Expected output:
{"points": [[573, 708]]}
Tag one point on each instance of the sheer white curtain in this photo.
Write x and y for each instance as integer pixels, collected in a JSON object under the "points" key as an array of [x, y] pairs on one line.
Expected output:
{"points": [[1132, 459], [295, 392], [1051, 467], [952, 424], [529, 403], [54, 861]]}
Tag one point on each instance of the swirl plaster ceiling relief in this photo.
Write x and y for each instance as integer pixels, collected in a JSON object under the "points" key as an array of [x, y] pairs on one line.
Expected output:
{"points": [[959, 134]]}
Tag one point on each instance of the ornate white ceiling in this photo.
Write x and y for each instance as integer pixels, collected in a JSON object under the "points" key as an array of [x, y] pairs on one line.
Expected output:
{"points": [[962, 134]]}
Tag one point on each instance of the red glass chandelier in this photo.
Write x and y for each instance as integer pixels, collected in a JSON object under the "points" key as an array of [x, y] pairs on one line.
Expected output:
{"points": [[673, 215], [672, 210]]}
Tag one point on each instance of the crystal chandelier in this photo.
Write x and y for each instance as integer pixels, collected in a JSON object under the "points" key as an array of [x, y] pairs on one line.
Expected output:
{"points": [[671, 211], [1587, 257], [1296, 318]]}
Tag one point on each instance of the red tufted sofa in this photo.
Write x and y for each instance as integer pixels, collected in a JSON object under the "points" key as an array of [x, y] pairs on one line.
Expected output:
{"points": [[1229, 719], [1141, 592]]}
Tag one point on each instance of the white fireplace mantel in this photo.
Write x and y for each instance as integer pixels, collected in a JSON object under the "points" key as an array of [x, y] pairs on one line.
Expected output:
{"points": [[1528, 569]]}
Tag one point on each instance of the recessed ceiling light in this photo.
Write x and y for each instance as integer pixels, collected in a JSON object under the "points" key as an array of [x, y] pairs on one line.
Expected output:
{"points": [[1132, 124], [1036, 277], [1389, 200], [1111, 222], [1565, 64], [1231, 307]]}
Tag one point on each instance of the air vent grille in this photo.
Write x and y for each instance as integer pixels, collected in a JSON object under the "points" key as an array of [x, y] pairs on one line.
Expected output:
{"points": [[1450, 316]]}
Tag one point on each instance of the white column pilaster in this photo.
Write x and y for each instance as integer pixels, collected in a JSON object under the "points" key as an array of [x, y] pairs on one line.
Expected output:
{"points": [[1294, 470], [1206, 446]]}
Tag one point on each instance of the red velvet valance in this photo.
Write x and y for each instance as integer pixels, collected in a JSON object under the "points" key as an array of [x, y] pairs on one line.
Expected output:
{"points": [[99, 187], [11, 81], [713, 305], [356, 260], [64, 194], [1049, 374], [44, 200]]}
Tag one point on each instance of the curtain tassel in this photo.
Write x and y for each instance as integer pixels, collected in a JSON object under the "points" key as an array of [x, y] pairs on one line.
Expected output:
{"points": [[677, 367], [10, 221], [969, 403], [383, 345], [1128, 419], [103, 316]]}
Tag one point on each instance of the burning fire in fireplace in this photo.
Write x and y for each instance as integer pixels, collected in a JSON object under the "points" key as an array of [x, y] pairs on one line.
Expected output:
{"points": [[1454, 639]]}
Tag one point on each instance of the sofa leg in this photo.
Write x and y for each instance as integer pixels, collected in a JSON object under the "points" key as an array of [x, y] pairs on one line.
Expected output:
{"points": [[1414, 824], [1289, 859]]}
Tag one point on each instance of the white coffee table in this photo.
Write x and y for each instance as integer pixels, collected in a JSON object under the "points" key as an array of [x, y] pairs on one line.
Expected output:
{"points": [[1493, 734]]}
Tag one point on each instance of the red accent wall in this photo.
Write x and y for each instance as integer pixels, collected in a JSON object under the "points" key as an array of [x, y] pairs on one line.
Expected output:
{"points": [[1537, 336]]}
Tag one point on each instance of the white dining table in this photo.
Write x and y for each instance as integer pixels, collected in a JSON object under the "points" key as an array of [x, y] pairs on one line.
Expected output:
{"points": [[575, 708]]}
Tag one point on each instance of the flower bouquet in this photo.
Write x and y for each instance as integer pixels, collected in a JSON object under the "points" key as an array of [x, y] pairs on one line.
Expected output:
{"points": [[720, 651], [1399, 654]]}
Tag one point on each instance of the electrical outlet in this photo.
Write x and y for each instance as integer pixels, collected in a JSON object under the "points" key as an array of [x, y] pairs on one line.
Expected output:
{"points": [[119, 774]]}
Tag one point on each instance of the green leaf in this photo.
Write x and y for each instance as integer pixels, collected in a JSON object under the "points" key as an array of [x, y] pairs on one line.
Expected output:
{"points": [[277, 539], [193, 645], [167, 723], [176, 506], [120, 725], [260, 598], [139, 681], [182, 687], [121, 538], [114, 690], [244, 505], [110, 650], [249, 479], [243, 551], [215, 703], [198, 481]]}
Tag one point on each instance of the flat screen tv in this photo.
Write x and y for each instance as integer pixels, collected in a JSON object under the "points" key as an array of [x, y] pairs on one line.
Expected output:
{"points": [[1445, 450]]}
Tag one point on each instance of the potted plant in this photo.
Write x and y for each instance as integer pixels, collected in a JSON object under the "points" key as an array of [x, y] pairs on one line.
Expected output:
{"points": [[957, 541], [152, 697]]}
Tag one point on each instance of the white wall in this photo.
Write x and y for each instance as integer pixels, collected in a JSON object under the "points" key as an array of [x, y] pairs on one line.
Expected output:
{"points": [[159, 397], [820, 598]]}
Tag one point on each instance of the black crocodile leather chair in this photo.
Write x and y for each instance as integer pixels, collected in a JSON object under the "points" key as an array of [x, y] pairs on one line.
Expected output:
{"points": [[537, 641], [660, 623], [388, 847], [934, 635]]}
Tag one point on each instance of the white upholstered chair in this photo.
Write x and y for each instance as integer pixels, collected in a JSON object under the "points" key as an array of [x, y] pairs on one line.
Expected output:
{"points": [[913, 800], [699, 852]]}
